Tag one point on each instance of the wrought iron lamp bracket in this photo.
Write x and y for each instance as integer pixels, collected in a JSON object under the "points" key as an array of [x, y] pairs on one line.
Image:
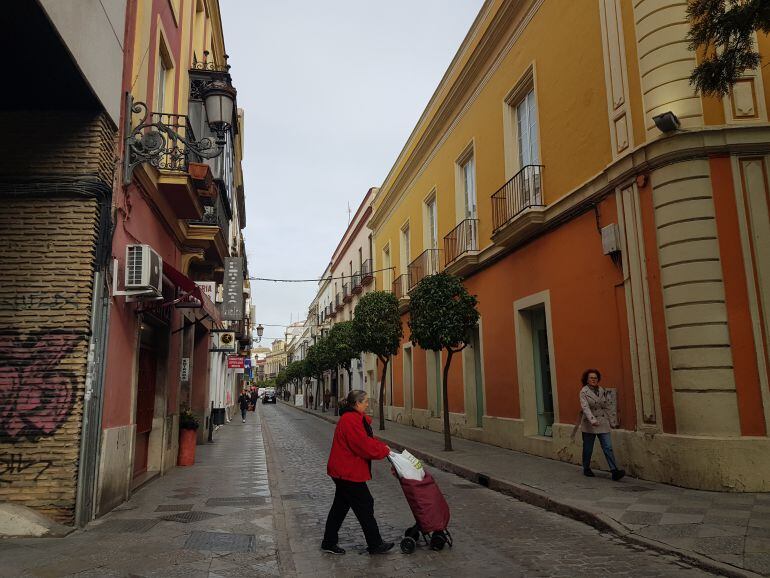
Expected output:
{"points": [[150, 141]]}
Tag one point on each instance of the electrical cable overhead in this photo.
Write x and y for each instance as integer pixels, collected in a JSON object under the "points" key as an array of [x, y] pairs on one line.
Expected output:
{"points": [[316, 280]]}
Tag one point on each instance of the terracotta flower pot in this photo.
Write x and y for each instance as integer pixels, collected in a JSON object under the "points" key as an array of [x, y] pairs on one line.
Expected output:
{"points": [[188, 438]]}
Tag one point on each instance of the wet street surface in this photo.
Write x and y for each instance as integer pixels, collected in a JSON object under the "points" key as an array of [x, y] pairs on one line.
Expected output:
{"points": [[494, 535]]}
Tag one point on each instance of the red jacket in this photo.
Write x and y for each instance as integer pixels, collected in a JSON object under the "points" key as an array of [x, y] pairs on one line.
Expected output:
{"points": [[353, 449]]}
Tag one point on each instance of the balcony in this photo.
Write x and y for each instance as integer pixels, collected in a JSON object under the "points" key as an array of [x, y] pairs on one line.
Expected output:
{"points": [[367, 273], [347, 296], [518, 208], [461, 247], [209, 232], [400, 287], [355, 283], [427, 263], [338, 301]]}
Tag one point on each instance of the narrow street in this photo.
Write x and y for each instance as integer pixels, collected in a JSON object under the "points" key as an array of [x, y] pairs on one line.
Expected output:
{"points": [[250, 507], [494, 535]]}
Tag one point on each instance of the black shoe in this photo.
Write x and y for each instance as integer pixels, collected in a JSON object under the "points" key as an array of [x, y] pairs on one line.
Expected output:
{"points": [[588, 473], [383, 548], [618, 474], [333, 550]]}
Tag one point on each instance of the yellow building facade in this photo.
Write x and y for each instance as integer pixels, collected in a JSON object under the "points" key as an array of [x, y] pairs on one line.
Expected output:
{"points": [[592, 238]]}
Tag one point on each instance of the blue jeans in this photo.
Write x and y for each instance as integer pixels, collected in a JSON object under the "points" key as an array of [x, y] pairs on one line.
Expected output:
{"points": [[588, 448]]}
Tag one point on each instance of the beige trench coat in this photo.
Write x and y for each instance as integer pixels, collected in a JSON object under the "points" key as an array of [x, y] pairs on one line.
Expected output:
{"points": [[595, 404]]}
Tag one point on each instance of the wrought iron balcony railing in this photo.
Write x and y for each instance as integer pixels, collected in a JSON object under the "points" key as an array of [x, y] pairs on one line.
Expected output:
{"points": [[524, 190], [167, 142], [427, 263], [367, 274], [338, 301], [355, 283], [347, 296], [400, 286], [460, 240], [214, 215]]}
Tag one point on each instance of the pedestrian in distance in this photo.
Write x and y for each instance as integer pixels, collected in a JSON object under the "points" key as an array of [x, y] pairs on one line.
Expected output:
{"points": [[595, 422], [243, 402], [327, 399], [350, 467]]}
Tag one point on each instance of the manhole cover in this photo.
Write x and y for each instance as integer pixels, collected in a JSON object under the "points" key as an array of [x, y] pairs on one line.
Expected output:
{"points": [[174, 508], [239, 501], [220, 542], [187, 517], [127, 526], [633, 489]]}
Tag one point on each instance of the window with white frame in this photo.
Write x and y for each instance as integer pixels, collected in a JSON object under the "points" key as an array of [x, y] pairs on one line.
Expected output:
{"points": [[431, 222], [468, 180], [160, 82], [526, 126]]}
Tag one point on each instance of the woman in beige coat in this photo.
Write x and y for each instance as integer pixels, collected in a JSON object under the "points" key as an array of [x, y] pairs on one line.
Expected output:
{"points": [[595, 422]]}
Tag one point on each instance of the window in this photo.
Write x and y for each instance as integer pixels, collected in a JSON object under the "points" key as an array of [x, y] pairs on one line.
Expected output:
{"points": [[431, 223], [361, 258], [468, 172], [526, 125], [160, 81], [387, 279], [405, 248]]}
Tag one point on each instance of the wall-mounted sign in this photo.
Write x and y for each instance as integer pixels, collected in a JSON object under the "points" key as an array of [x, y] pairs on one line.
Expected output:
{"points": [[234, 362], [185, 371], [223, 341], [232, 304], [208, 288]]}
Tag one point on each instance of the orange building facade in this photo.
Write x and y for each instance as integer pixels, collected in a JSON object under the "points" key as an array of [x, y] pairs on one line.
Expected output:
{"points": [[592, 239]]}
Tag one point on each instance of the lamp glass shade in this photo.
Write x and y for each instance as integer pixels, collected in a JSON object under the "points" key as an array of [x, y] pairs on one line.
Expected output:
{"points": [[219, 106], [260, 330]]}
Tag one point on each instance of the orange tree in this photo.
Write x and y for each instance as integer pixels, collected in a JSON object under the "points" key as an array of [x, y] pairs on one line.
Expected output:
{"points": [[377, 329], [442, 316]]}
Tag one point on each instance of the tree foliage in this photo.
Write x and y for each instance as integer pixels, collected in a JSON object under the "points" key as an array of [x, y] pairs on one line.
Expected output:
{"points": [[724, 29], [342, 346], [377, 329], [442, 316]]}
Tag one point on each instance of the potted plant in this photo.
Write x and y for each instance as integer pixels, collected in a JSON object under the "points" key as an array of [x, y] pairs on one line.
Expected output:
{"points": [[188, 437]]}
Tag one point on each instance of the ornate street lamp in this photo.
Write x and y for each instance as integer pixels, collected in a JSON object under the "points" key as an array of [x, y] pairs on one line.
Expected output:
{"points": [[260, 332], [164, 140]]}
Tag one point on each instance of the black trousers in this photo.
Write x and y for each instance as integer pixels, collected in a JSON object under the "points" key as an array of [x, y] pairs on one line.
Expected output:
{"points": [[346, 496]]}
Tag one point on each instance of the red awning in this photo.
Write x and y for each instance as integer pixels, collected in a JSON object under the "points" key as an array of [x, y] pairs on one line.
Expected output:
{"points": [[182, 282]]}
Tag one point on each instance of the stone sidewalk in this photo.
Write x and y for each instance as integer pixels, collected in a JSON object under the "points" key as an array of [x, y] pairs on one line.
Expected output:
{"points": [[728, 533], [210, 520]]}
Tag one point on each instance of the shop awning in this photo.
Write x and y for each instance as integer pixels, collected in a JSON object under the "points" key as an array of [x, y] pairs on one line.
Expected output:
{"points": [[190, 292]]}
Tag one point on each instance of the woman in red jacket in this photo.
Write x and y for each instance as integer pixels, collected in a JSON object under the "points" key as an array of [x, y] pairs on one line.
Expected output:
{"points": [[353, 449]]}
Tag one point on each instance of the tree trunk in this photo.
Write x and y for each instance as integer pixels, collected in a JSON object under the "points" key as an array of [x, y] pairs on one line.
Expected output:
{"points": [[445, 391], [350, 379], [382, 392]]}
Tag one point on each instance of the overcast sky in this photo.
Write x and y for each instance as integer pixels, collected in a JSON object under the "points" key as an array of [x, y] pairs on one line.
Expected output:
{"points": [[331, 91]]}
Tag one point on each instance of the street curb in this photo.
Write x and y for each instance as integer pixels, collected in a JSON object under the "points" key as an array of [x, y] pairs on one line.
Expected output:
{"points": [[540, 499]]}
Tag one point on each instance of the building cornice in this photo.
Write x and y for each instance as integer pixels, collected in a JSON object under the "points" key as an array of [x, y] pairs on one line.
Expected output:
{"points": [[458, 86]]}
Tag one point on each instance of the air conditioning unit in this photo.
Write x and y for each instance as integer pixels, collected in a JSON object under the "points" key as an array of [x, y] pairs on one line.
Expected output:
{"points": [[143, 271]]}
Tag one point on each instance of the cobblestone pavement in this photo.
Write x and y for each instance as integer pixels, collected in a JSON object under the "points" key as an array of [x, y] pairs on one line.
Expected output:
{"points": [[494, 535], [209, 520]]}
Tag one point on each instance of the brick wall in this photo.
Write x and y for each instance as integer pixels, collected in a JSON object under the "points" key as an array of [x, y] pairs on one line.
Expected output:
{"points": [[47, 245]]}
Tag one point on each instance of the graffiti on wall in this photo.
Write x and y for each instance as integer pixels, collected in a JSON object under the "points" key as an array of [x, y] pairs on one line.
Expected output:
{"points": [[37, 393], [16, 464]]}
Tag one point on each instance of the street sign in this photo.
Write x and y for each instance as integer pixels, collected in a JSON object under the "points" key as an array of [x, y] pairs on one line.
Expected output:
{"points": [[185, 372]]}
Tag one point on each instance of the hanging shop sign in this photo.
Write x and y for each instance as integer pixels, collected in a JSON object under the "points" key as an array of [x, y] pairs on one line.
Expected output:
{"points": [[234, 362], [223, 341], [232, 299]]}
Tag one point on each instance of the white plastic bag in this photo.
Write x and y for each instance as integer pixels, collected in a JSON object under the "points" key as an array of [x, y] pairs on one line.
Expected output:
{"points": [[407, 465]]}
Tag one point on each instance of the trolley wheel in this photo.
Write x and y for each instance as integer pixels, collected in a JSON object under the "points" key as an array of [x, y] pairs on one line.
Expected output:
{"points": [[408, 545], [413, 532], [438, 540]]}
